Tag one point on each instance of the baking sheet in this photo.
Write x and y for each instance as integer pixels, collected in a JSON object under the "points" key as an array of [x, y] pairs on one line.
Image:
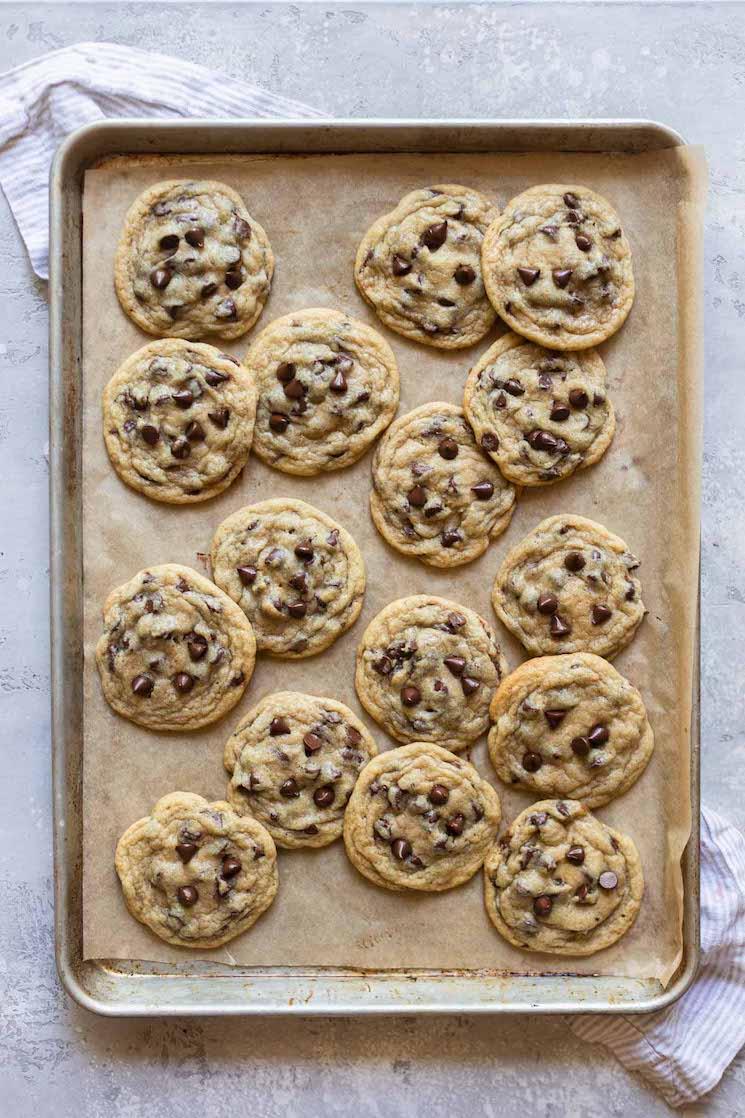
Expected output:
{"points": [[315, 209]]}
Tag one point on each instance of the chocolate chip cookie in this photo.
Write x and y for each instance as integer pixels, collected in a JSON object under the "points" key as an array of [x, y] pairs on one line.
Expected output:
{"points": [[569, 726], [570, 586], [297, 575], [420, 267], [561, 881], [328, 385], [176, 653], [420, 818], [539, 414], [436, 495], [294, 760], [192, 262], [557, 267], [195, 873], [427, 669], [178, 420]]}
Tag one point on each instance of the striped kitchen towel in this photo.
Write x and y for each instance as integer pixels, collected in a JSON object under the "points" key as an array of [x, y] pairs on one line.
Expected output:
{"points": [[46, 99], [681, 1051]]}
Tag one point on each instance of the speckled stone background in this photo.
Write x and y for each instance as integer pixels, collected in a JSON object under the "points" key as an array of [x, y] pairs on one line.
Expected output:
{"points": [[683, 64]]}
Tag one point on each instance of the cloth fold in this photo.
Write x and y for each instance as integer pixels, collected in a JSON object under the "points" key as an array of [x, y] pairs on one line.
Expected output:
{"points": [[45, 100], [681, 1051]]}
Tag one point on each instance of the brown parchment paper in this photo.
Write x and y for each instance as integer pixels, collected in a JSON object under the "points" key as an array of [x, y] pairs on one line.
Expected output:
{"points": [[315, 210]]}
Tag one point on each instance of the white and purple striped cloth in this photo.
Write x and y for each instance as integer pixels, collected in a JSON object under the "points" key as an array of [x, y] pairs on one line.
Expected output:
{"points": [[681, 1051]]}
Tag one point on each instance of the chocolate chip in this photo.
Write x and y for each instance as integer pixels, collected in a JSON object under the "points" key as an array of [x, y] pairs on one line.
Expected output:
{"points": [[464, 274], [230, 867], [242, 228], [573, 217], [410, 696], [560, 412], [195, 432], [630, 594], [538, 818], [450, 538], [289, 789], [304, 550], [225, 309], [207, 290], [195, 238], [161, 277], [184, 398], [312, 743], [401, 849], [598, 735], [417, 497], [196, 646], [558, 627], [455, 664], [554, 717], [576, 855], [469, 684], [353, 735], [150, 434], [180, 448], [490, 441], [578, 398], [581, 892], [547, 604], [299, 582], [278, 422], [214, 378], [438, 795], [247, 575], [501, 401], [169, 243], [187, 894], [571, 200], [339, 384], [550, 230], [220, 417], [383, 666], [295, 390], [142, 685], [400, 266], [186, 851], [528, 275], [297, 609], [541, 440], [583, 242], [448, 449], [324, 797], [183, 682], [532, 762], [608, 880], [434, 236], [574, 561], [286, 372], [542, 905], [601, 614], [562, 276], [580, 746], [483, 490], [278, 726], [456, 620], [514, 388]]}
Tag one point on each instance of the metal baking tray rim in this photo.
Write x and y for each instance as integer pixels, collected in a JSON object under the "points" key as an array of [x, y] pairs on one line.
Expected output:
{"points": [[101, 985]]}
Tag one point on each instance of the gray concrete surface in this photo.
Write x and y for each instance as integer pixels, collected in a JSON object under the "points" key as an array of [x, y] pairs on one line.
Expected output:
{"points": [[683, 64]]}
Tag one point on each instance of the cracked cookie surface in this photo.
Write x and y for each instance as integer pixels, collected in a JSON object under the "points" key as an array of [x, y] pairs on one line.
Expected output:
{"points": [[420, 267], [569, 726], [195, 873], [562, 882], [570, 586], [327, 386], [539, 414], [427, 669], [420, 818], [192, 262], [436, 495], [294, 760], [178, 420], [557, 267], [176, 653], [297, 575]]}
